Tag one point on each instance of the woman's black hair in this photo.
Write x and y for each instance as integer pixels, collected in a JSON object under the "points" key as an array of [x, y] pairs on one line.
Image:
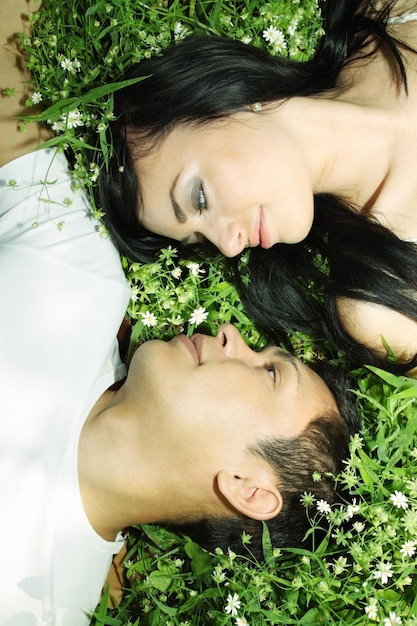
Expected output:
{"points": [[294, 287], [206, 78]]}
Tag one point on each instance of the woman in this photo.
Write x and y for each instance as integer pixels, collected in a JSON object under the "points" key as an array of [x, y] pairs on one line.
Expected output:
{"points": [[226, 143]]}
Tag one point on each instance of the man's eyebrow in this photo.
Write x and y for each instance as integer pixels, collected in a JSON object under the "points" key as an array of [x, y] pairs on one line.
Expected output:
{"points": [[290, 358], [178, 212]]}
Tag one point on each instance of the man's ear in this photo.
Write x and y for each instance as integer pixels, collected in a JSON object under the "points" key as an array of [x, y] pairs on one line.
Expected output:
{"points": [[254, 495]]}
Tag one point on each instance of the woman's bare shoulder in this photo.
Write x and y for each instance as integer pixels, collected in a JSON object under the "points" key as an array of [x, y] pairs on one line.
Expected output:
{"points": [[376, 326], [15, 83]]}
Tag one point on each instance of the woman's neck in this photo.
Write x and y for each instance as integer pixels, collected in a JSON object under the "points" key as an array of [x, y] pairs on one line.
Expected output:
{"points": [[350, 148], [362, 147]]}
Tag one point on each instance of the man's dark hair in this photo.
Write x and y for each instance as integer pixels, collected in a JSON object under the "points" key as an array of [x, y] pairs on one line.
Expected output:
{"points": [[319, 449]]}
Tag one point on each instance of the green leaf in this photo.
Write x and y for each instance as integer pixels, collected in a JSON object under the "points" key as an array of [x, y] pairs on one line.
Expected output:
{"points": [[201, 561], [168, 610], [163, 538], [68, 104], [160, 580], [391, 379], [267, 547]]}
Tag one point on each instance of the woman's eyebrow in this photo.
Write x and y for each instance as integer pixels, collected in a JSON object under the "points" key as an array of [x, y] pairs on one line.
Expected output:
{"points": [[178, 212]]}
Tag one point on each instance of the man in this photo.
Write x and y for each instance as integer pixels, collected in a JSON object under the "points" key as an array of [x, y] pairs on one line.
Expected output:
{"points": [[81, 461]]}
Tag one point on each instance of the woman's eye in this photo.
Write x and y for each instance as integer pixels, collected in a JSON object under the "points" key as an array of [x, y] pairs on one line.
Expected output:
{"points": [[201, 200], [198, 198], [271, 371]]}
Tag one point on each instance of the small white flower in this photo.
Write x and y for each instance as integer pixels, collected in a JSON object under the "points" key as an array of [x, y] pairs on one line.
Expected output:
{"points": [[293, 26], [36, 97], [392, 620], [384, 572], [358, 526], [72, 119], [351, 510], [370, 609], [339, 565], [95, 171], [271, 34], [178, 28], [198, 316], [323, 506], [219, 576], [58, 126], [149, 319], [241, 621], [408, 548], [176, 272], [275, 38], [399, 500], [232, 555], [356, 443], [180, 31], [195, 269], [233, 604], [67, 64]]}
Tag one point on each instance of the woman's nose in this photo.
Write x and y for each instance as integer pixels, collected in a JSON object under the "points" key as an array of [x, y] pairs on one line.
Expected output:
{"points": [[230, 238]]}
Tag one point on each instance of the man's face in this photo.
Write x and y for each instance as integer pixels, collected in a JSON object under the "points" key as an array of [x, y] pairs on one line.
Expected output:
{"points": [[212, 397]]}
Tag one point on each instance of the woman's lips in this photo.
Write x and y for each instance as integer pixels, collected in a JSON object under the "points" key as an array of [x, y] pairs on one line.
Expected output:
{"points": [[260, 235], [265, 239]]}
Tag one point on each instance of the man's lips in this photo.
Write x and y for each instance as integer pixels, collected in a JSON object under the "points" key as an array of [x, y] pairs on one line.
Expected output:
{"points": [[197, 340], [189, 344]]}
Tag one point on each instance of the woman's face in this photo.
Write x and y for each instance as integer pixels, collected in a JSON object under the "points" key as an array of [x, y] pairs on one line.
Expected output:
{"points": [[238, 182]]}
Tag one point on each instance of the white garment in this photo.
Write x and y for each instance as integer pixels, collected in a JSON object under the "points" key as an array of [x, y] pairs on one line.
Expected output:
{"points": [[63, 297], [402, 19]]}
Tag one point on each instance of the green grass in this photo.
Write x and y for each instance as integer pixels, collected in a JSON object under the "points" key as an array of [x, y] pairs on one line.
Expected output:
{"points": [[361, 573]]}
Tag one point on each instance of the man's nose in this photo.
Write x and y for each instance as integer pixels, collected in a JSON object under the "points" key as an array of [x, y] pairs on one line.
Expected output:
{"points": [[233, 344]]}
